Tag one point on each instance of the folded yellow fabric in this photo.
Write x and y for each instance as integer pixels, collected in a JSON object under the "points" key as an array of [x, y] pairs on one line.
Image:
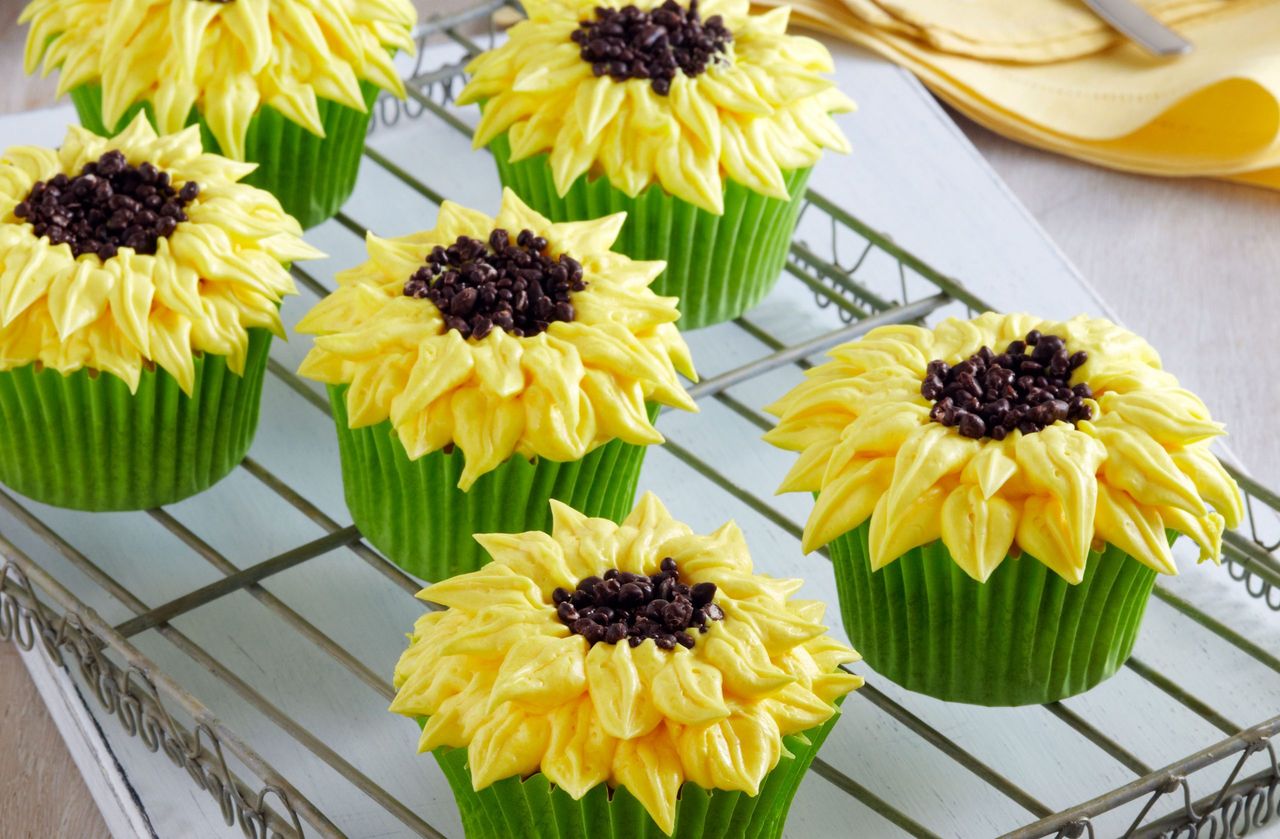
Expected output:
{"points": [[1215, 112], [1033, 31]]}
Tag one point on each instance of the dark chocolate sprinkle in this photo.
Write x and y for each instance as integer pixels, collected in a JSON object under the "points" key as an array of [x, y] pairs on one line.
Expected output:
{"points": [[109, 205], [637, 607], [630, 43], [990, 394], [514, 286]]}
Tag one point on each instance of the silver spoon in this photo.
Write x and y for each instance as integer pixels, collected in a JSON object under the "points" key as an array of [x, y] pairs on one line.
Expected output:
{"points": [[1138, 25]]}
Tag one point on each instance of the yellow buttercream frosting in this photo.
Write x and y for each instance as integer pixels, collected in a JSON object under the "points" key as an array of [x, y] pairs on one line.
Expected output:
{"points": [[219, 274], [762, 109], [558, 394], [1141, 466], [497, 673], [225, 59]]}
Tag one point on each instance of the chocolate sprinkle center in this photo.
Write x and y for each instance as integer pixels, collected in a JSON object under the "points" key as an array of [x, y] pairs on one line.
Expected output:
{"points": [[109, 205], [630, 43], [637, 607], [516, 287], [990, 395]]}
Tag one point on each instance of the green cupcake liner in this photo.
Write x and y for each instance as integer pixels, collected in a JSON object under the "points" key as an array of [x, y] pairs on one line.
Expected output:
{"points": [[311, 176], [532, 808], [413, 511], [1024, 636], [84, 441], [719, 266]]}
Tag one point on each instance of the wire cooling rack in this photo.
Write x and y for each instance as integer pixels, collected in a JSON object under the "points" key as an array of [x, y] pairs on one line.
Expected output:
{"points": [[156, 620]]}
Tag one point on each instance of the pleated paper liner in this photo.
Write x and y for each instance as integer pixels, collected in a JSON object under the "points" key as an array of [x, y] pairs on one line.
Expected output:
{"points": [[413, 511], [532, 808], [719, 266], [311, 176], [84, 441], [1025, 636]]}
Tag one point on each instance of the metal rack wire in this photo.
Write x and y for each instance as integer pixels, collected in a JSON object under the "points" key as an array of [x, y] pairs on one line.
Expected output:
{"points": [[37, 607]]}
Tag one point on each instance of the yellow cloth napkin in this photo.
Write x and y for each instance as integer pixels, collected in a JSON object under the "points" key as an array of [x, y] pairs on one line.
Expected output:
{"points": [[1033, 31], [1076, 88]]}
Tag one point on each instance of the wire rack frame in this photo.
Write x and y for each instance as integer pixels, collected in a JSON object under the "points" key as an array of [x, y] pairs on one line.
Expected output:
{"points": [[38, 610]]}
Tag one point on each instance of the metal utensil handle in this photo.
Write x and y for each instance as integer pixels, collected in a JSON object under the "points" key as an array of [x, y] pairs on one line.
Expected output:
{"points": [[1138, 25]]}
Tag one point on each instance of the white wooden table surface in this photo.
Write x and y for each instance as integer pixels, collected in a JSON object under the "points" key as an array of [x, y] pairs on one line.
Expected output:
{"points": [[1194, 267]]}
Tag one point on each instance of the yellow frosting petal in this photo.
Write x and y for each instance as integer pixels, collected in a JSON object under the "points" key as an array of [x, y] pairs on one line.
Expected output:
{"points": [[765, 106], [1134, 528], [224, 59], [725, 549], [580, 752], [744, 664], [624, 703], [1062, 463], [650, 768], [1205, 531], [929, 454], [993, 465], [218, 275], [648, 529], [1173, 417], [493, 585], [1211, 481], [459, 716], [1140, 466], [495, 628], [735, 753], [777, 630], [919, 522], [559, 394], [510, 742], [847, 501], [689, 691], [535, 558], [978, 530], [797, 708], [542, 672]]}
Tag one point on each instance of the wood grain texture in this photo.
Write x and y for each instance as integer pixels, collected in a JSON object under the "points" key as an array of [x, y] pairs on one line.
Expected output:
{"points": [[19, 92], [41, 793]]}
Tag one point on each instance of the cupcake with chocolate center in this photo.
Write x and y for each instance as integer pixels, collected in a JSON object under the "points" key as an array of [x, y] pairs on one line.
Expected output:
{"points": [[701, 121], [1001, 493], [140, 285], [634, 673], [492, 359], [286, 84]]}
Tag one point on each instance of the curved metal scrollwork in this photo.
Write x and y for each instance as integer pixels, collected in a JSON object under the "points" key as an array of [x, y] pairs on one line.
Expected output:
{"points": [[1081, 827], [1239, 815], [1236, 810], [131, 697], [1242, 568]]}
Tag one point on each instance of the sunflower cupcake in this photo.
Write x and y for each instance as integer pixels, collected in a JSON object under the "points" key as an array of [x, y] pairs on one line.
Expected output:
{"points": [[286, 84], [140, 284], [481, 368], [998, 496], [635, 674], [701, 121]]}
